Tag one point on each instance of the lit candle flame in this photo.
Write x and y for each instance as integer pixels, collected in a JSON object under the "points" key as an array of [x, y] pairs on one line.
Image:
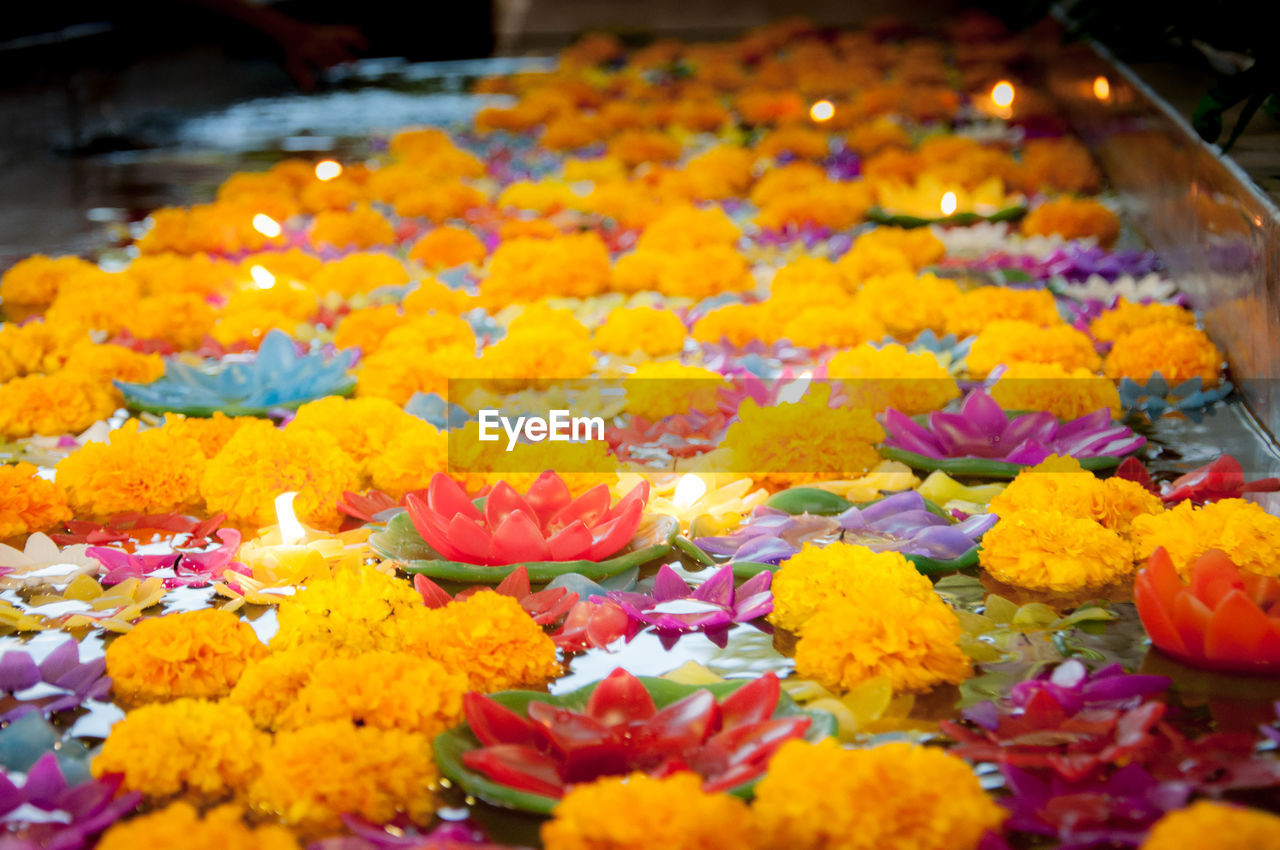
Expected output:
{"points": [[292, 532], [1002, 94], [823, 110], [949, 203], [689, 489], [327, 169], [267, 226], [262, 278], [1102, 88]]}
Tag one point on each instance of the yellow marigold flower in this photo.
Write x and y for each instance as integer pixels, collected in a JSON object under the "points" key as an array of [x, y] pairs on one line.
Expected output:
{"points": [[805, 581], [801, 142], [171, 274], [355, 610], [28, 502], [791, 443], [313, 776], [810, 274], [153, 471], [912, 641], [975, 309], [210, 432], [891, 376], [411, 457], [180, 825], [821, 326], [1127, 316], [860, 265], [114, 363], [739, 324], [1042, 549], [836, 206], [438, 202], [32, 284], [569, 132], [543, 196], [535, 356], [188, 654], [182, 319], [640, 271], [1210, 824], [261, 461], [790, 179], [1060, 165], [638, 812], [1177, 351], [359, 272], [658, 390], [363, 427], [102, 308], [270, 685], [695, 273], [291, 298], [419, 142], [651, 330], [897, 796], [919, 245], [393, 373], [250, 325], [723, 171], [360, 227], [629, 204], [1243, 530], [876, 136], [1010, 341], [906, 304], [1073, 218], [427, 333], [1049, 387], [1062, 484], [50, 405], [431, 295], [687, 227], [488, 637], [223, 227], [633, 147], [337, 194], [187, 745], [527, 269], [385, 690], [446, 247]]}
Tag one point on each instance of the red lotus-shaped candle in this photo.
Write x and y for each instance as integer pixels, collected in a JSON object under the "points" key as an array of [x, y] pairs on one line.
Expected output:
{"points": [[622, 730], [1224, 620], [545, 524]]}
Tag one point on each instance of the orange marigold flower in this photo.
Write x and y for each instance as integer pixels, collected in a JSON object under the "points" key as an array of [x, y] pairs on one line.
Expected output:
{"points": [[32, 284], [367, 328], [790, 179], [261, 461], [1073, 219], [392, 374], [210, 432], [687, 227], [919, 245], [182, 319], [411, 457], [637, 812], [1069, 489], [1127, 316], [976, 308], [290, 298], [910, 640], [535, 356], [634, 147], [490, 638], [313, 776], [1178, 351], [363, 427], [652, 330], [29, 348], [292, 266], [50, 405], [820, 326], [28, 502], [432, 295], [1010, 341], [188, 654], [825, 797], [1058, 165], [738, 324], [835, 206], [906, 304], [352, 611], [801, 142], [114, 363], [361, 271], [1222, 826], [270, 685], [439, 201], [542, 196], [876, 136], [384, 690], [360, 227], [446, 247], [1248, 535], [523, 270], [153, 471], [209, 749], [180, 825], [1041, 549], [658, 390], [162, 274]]}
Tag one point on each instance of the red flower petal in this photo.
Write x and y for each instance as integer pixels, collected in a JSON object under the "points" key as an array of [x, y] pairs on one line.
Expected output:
{"points": [[433, 595], [751, 703], [493, 723], [518, 767], [570, 543], [547, 495], [620, 698], [518, 539], [590, 507], [503, 501]]}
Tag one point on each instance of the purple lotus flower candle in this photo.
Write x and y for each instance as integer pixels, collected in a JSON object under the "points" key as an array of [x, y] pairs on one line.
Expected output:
{"points": [[713, 608]]}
